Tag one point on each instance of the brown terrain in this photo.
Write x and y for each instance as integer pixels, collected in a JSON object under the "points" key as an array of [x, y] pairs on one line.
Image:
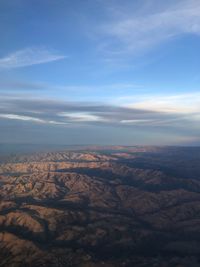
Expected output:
{"points": [[111, 206]]}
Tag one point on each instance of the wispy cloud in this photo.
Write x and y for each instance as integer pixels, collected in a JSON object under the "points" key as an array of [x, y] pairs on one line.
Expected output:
{"points": [[29, 57], [89, 91], [81, 117], [135, 122], [30, 119], [20, 117], [131, 32]]}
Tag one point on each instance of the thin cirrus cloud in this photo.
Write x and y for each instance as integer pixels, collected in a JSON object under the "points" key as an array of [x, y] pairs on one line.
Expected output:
{"points": [[29, 57], [129, 32], [18, 85], [30, 119], [20, 117], [81, 117]]}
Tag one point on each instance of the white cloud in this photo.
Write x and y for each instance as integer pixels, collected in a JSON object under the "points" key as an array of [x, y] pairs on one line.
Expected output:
{"points": [[29, 57], [30, 119], [137, 122], [58, 122], [137, 32], [81, 117], [22, 118]]}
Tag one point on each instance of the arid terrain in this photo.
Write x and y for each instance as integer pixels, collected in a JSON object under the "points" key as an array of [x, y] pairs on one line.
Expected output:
{"points": [[95, 207]]}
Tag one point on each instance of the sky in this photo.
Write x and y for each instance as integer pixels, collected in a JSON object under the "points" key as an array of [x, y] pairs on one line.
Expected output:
{"points": [[102, 72]]}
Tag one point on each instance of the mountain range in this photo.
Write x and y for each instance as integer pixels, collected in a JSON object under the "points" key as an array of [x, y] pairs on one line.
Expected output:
{"points": [[101, 206]]}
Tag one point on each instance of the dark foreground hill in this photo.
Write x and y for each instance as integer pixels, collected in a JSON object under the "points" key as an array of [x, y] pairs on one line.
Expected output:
{"points": [[116, 206]]}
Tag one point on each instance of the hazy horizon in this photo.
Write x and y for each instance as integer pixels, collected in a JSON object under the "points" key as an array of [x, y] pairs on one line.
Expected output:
{"points": [[20, 149]]}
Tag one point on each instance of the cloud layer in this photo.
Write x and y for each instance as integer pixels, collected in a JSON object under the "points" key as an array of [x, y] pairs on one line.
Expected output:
{"points": [[146, 113], [134, 122]]}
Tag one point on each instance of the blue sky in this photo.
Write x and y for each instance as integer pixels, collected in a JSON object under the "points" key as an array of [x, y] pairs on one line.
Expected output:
{"points": [[100, 72]]}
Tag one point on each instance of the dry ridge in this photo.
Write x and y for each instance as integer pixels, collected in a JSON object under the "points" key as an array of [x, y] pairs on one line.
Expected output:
{"points": [[116, 206]]}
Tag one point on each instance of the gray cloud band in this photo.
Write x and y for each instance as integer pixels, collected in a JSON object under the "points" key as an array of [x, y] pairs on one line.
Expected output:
{"points": [[68, 113]]}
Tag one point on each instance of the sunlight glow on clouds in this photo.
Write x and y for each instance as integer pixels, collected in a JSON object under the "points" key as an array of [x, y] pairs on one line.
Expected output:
{"points": [[179, 103]]}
